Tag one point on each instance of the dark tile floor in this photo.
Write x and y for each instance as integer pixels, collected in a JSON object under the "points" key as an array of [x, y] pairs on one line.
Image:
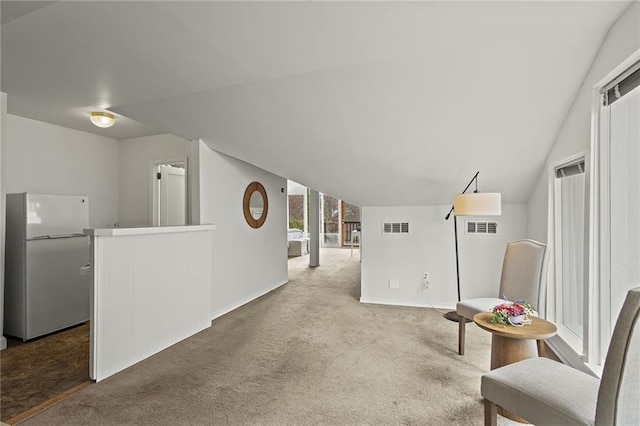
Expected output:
{"points": [[36, 371]]}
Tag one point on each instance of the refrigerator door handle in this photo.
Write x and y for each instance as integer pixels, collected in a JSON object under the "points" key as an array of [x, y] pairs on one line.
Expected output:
{"points": [[39, 237]]}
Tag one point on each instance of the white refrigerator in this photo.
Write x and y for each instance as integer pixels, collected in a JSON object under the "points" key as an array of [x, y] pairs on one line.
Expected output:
{"points": [[45, 249]]}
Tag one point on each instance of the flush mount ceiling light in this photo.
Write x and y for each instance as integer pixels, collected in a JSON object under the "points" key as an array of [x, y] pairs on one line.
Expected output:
{"points": [[102, 119]]}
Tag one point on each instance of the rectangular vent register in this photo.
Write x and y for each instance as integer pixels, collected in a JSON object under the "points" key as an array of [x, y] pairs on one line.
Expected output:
{"points": [[482, 228], [395, 227]]}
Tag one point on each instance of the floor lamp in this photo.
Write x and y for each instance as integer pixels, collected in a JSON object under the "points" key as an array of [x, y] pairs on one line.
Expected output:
{"points": [[473, 204]]}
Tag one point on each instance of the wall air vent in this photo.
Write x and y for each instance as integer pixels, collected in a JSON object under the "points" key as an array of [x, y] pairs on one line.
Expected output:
{"points": [[395, 227], [482, 228]]}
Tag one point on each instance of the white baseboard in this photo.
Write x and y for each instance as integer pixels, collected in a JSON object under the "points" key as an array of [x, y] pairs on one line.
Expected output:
{"points": [[253, 297], [411, 303], [3, 343]]}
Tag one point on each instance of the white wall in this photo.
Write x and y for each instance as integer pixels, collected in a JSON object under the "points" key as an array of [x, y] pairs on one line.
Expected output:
{"points": [[136, 158], [574, 135], [538, 203], [48, 159], [247, 262], [430, 248]]}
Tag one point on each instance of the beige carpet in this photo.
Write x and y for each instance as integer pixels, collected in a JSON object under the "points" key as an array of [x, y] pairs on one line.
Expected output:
{"points": [[308, 353]]}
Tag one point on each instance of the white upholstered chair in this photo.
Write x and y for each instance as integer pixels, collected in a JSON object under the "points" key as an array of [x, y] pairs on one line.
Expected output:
{"points": [[547, 392], [523, 277]]}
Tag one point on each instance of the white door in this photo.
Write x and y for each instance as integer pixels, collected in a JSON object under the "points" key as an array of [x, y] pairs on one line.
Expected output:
{"points": [[171, 196]]}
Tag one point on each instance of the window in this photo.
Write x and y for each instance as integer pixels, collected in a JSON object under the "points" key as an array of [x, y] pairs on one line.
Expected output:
{"points": [[614, 247], [569, 225], [624, 192]]}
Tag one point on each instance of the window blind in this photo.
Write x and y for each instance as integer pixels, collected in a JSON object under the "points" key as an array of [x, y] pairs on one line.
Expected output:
{"points": [[570, 170], [626, 84]]}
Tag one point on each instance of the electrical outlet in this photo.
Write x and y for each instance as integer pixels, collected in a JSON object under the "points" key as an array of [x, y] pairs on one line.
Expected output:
{"points": [[425, 276]]}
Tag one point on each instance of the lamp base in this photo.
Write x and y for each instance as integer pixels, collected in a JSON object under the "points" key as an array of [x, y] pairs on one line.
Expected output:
{"points": [[453, 316]]}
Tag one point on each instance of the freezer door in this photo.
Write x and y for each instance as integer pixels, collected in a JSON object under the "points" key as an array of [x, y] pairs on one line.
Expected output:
{"points": [[56, 215], [57, 296]]}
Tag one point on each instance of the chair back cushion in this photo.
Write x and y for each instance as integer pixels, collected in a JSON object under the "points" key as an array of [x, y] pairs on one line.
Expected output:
{"points": [[619, 393], [524, 273]]}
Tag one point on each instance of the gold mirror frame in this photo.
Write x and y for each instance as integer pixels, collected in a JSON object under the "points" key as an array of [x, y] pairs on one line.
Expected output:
{"points": [[251, 188]]}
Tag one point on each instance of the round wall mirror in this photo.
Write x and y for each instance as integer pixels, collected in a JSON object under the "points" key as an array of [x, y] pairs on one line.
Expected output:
{"points": [[255, 204]]}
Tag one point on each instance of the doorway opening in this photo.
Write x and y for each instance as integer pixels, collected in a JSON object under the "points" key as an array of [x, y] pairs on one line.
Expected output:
{"points": [[350, 224], [169, 182], [339, 221]]}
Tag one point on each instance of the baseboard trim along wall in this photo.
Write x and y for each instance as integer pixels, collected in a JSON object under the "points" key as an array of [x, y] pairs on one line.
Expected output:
{"points": [[251, 298], [412, 304]]}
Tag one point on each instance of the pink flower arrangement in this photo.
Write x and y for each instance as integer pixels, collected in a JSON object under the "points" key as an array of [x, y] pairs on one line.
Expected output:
{"points": [[503, 311], [512, 309]]}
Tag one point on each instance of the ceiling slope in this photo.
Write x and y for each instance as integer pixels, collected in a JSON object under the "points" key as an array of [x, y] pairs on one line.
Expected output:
{"points": [[395, 103]]}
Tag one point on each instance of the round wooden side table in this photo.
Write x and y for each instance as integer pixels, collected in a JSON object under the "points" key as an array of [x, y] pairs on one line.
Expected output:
{"points": [[511, 344]]}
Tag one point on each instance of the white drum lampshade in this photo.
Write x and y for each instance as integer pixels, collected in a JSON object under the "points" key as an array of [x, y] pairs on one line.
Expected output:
{"points": [[478, 204]]}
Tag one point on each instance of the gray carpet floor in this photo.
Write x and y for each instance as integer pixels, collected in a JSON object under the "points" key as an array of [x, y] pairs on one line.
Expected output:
{"points": [[307, 353]]}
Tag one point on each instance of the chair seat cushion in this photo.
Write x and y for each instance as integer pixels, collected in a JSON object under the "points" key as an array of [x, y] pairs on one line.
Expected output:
{"points": [[468, 308], [544, 392]]}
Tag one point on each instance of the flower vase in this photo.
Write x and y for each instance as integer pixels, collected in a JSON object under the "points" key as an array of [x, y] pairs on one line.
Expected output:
{"points": [[516, 319]]}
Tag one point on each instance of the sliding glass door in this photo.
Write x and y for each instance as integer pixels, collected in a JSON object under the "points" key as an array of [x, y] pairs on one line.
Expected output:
{"points": [[350, 222], [331, 221]]}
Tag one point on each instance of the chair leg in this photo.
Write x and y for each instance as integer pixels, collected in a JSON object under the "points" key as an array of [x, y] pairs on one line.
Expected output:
{"points": [[490, 413], [462, 328]]}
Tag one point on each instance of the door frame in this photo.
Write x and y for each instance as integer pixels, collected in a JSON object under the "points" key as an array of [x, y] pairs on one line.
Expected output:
{"points": [[153, 193]]}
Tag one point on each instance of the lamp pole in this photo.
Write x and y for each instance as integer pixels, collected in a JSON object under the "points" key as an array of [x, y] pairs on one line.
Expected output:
{"points": [[453, 315]]}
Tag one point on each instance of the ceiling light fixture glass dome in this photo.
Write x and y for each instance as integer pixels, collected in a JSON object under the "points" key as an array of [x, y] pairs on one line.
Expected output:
{"points": [[102, 119]]}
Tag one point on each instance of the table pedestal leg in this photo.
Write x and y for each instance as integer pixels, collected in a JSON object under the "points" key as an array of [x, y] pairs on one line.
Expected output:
{"points": [[506, 351]]}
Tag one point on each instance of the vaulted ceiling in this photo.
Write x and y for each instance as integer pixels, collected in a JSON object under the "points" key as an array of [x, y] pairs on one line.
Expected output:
{"points": [[378, 103]]}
